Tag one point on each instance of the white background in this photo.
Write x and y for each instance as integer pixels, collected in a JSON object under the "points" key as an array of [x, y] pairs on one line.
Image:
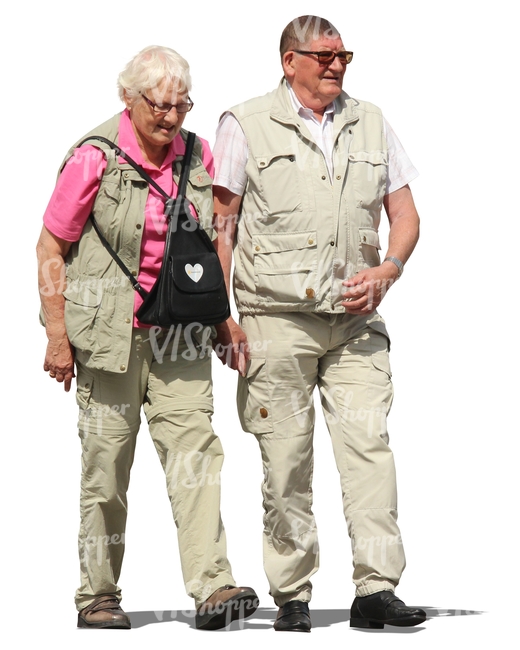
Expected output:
{"points": [[444, 74]]}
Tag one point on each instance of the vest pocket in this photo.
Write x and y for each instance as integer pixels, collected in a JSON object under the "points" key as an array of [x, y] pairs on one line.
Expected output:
{"points": [[369, 170], [368, 251], [82, 303], [285, 267], [279, 181]]}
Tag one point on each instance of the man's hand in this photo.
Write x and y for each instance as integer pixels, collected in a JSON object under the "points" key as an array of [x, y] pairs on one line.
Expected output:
{"points": [[59, 360], [231, 346], [366, 289]]}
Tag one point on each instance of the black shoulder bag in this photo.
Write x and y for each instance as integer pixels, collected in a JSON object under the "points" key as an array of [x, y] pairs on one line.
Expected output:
{"points": [[190, 287]]}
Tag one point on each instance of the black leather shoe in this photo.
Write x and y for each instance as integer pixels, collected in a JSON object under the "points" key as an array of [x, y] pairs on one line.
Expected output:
{"points": [[384, 608], [294, 616]]}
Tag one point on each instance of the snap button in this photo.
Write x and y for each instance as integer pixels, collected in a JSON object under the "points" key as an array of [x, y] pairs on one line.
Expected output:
{"points": [[134, 273], [323, 178], [257, 248], [338, 178], [126, 174], [291, 158], [264, 412], [364, 237], [332, 243], [122, 367], [262, 164], [127, 320], [138, 226], [309, 293], [311, 241]]}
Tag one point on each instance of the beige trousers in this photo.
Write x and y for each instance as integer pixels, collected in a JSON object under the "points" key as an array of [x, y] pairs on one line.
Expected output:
{"points": [[347, 358], [170, 375]]}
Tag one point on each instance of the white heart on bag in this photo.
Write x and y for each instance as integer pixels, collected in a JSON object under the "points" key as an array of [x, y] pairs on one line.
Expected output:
{"points": [[194, 272]]}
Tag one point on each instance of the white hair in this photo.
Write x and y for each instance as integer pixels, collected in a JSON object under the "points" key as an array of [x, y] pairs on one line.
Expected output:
{"points": [[148, 69]]}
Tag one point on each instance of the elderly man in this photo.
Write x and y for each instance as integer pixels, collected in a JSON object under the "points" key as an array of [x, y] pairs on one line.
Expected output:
{"points": [[301, 176]]}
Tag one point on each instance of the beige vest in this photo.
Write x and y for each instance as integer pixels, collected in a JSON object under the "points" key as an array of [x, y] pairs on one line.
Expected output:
{"points": [[99, 298], [301, 233]]}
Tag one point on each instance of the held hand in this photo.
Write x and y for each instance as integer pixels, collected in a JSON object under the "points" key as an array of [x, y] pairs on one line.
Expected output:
{"points": [[59, 361], [231, 346], [366, 289]]}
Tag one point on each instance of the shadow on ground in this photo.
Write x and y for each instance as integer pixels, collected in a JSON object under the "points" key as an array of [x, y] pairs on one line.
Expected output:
{"points": [[264, 617]]}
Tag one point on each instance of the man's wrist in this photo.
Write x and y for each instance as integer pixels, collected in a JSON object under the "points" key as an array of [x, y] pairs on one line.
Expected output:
{"points": [[397, 262]]}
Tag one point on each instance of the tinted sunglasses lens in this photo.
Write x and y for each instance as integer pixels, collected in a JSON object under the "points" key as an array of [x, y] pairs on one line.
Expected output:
{"points": [[325, 57]]}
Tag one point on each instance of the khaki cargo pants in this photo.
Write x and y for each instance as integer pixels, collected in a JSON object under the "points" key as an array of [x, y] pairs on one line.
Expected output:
{"points": [[171, 378], [347, 358]]}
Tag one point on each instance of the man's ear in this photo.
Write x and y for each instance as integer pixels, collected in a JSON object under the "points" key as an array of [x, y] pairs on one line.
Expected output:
{"points": [[288, 60]]}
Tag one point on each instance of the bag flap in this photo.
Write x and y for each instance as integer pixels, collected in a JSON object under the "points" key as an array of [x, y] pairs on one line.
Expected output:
{"points": [[198, 273]]}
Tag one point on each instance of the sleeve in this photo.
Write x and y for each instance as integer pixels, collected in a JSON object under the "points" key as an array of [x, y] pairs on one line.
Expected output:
{"points": [[400, 168], [231, 154], [207, 157], [75, 192]]}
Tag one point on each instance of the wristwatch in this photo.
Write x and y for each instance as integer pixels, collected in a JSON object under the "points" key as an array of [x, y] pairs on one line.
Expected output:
{"points": [[398, 263]]}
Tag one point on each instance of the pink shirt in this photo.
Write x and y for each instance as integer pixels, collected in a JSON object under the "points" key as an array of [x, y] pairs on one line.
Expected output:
{"points": [[75, 192]]}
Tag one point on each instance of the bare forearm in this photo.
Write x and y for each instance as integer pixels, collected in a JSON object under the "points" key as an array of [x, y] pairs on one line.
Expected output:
{"points": [[227, 206], [404, 224]]}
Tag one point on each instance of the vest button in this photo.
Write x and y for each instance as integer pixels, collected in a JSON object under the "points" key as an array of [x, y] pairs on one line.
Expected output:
{"points": [[257, 248], [323, 178], [291, 158], [138, 226], [264, 412], [122, 367], [364, 237], [126, 175], [311, 241], [127, 320], [332, 243], [309, 293], [338, 178], [134, 273]]}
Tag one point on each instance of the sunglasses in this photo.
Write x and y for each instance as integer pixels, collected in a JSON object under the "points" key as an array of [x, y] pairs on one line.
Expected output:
{"points": [[327, 57]]}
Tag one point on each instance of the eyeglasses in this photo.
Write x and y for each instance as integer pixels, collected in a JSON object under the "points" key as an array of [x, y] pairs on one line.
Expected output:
{"points": [[326, 57], [162, 109]]}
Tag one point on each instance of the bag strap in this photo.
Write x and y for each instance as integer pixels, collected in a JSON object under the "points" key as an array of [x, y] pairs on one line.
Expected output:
{"points": [[185, 171], [183, 183]]}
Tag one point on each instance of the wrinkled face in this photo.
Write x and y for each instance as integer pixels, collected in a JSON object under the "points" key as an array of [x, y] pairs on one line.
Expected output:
{"points": [[155, 132], [315, 84]]}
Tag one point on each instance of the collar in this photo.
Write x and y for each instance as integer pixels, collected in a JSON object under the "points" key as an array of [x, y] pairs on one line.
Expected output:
{"points": [[283, 109], [302, 110]]}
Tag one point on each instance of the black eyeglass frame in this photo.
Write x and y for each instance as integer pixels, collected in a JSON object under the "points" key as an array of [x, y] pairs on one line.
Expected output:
{"points": [[327, 57], [162, 111]]}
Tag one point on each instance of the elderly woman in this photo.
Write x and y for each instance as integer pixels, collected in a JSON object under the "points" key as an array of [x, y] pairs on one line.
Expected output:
{"points": [[89, 310]]}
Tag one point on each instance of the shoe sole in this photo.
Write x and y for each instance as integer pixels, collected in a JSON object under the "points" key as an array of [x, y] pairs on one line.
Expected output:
{"points": [[379, 625], [103, 625], [236, 608]]}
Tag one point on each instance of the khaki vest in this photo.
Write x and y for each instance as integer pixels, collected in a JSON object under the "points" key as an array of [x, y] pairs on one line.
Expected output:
{"points": [[300, 233], [99, 298]]}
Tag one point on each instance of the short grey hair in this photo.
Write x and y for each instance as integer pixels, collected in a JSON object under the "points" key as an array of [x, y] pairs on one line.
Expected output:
{"points": [[304, 29], [148, 69]]}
